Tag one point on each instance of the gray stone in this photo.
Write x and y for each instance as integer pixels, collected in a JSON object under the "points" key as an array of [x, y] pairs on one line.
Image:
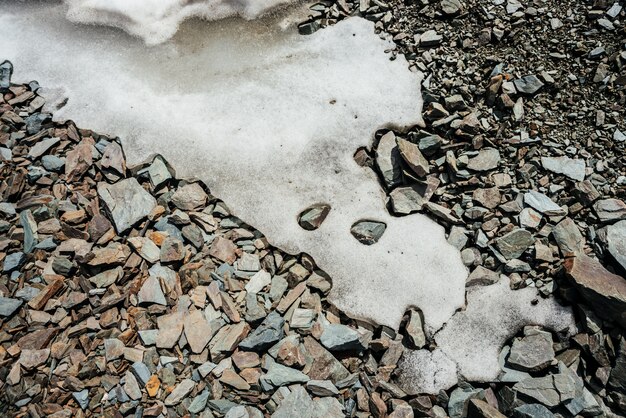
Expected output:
{"points": [[617, 378], [414, 329], [180, 391], [297, 404], [616, 242], [127, 202], [568, 237], [8, 306], [42, 147], [278, 375], [141, 372], [530, 218], [198, 403], [388, 160], [533, 352], [338, 337], [543, 204], [430, 144], [487, 159], [532, 410], [586, 192], [53, 163], [513, 244], [529, 84], [189, 197], [113, 349], [368, 232], [482, 276], [82, 398], [451, 7], [30, 230], [131, 387], [268, 333], [610, 210], [151, 292], [302, 318], [322, 388], [13, 262], [158, 172], [6, 71], [406, 200], [312, 217], [572, 168], [458, 399], [430, 38], [551, 390], [107, 277]]}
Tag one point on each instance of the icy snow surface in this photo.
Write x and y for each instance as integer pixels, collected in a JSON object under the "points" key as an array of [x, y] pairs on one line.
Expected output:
{"points": [[270, 120]]}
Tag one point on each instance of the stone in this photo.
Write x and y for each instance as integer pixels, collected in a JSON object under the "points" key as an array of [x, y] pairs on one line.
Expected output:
{"points": [[533, 352], [297, 403], [258, 282], [127, 202], [42, 147], [29, 359], [477, 408], [107, 277], [198, 331], [223, 249], [488, 197], [532, 410], [113, 158], [323, 365], [189, 197], [146, 248], [368, 232], [265, 335], [568, 237], [322, 388], [388, 160], [338, 337], [482, 276], [487, 159], [52, 163], [513, 244], [180, 392], [82, 398], [172, 250], [6, 71], [617, 378], [430, 38], [230, 378], [413, 157], [406, 200], [158, 172], [113, 253], [586, 192], [302, 318], [616, 242], [8, 306], [451, 7], [278, 375], [530, 218], [113, 349], [551, 390], [414, 329], [603, 290], [152, 385], [151, 292], [198, 403], [610, 210], [572, 168], [459, 398], [13, 261], [542, 203], [529, 84], [170, 328], [312, 217]]}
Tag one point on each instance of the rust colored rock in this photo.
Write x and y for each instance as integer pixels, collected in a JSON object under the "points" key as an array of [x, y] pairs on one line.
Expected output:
{"points": [[605, 291], [39, 301]]}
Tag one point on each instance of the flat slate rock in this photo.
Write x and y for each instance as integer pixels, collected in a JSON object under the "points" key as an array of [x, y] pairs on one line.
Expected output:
{"points": [[616, 240], [127, 201], [572, 168]]}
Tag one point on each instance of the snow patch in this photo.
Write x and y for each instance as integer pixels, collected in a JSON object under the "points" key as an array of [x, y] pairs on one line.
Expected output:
{"points": [[156, 21], [473, 338], [270, 120]]}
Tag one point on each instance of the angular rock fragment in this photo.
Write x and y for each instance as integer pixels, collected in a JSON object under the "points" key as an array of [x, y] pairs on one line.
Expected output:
{"points": [[127, 201], [487, 159], [312, 217], [368, 232], [568, 237], [388, 160], [542, 203], [413, 157], [189, 197], [605, 291], [610, 210], [533, 352], [572, 168], [338, 337], [406, 200], [529, 84], [616, 242], [513, 244]]}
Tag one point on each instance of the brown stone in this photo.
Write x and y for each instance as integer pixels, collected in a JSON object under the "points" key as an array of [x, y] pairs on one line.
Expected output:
{"points": [[39, 301], [230, 378], [605, 291], [481, 409], [152, 385], [224, 250]]}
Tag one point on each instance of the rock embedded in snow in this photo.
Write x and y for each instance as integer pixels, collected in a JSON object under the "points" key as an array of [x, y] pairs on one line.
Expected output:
{"points": [[127, 202], [572, 168], [6, 71], [312, 217], [189, 197], [368, 232], [406, 200], [388, 160]]}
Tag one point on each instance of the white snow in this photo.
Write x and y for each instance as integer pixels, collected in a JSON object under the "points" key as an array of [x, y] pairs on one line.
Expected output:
{"points": [[473, 338], [156, 21], [270, 120]]}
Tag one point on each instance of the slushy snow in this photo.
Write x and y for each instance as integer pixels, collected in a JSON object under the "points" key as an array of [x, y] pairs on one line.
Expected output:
{"points": [[270, 121]]}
